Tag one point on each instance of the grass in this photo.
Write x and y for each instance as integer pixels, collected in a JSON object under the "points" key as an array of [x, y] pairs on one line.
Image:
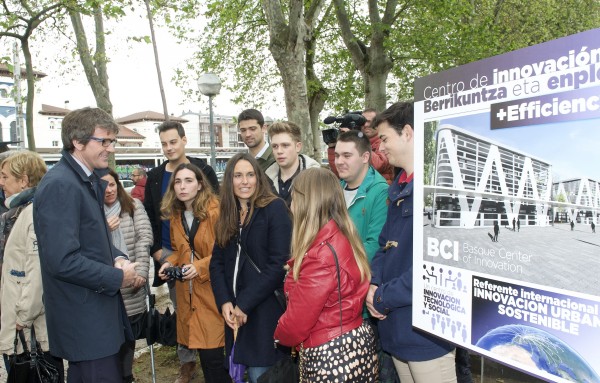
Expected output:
{"points": [[166, 366]]}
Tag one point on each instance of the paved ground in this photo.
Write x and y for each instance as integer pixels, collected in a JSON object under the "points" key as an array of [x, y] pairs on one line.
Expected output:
{"points": [[550, 256]]}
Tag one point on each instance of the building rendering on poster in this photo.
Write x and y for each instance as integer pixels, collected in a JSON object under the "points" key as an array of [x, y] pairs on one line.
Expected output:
{"points": [[507, 262]]}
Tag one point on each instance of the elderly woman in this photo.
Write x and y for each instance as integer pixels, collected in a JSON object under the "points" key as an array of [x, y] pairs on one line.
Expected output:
{"points": [[132, 234], [253, 236], [22, 306]]}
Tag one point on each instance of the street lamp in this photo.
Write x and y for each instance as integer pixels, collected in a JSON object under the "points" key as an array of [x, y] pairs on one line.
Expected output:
{"points": [[210, 85]]}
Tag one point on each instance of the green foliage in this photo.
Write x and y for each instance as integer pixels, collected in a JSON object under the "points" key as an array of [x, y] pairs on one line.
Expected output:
{"points": [[141, 39]]}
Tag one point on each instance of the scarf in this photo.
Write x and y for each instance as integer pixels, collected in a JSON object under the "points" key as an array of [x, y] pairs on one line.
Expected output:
{"points": [[15, 204], [117, 235]]}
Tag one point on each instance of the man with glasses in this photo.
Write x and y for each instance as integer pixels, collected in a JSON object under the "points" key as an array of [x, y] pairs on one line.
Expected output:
{"points": [[138, 176], [82, 272]]}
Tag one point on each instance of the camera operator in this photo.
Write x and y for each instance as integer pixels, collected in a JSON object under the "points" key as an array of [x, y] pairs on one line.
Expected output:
{"points": [[378, 159]]}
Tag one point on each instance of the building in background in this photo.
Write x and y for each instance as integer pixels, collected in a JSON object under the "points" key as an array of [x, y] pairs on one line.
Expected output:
{"points": [[478, 182], [580, 198]]}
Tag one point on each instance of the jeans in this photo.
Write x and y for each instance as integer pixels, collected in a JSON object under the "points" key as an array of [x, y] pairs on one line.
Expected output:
{"points": [[255, 372]]}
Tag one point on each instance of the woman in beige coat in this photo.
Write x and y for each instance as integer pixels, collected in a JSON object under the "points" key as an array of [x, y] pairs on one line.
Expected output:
{"points": [[193, 210], [22, 306]]}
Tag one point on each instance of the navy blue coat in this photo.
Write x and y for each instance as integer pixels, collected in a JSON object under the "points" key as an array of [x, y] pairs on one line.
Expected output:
{"points": [[85, 314], [266, 239], [392, 271]]}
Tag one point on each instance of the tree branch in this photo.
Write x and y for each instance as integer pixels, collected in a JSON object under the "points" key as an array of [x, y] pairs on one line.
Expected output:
{"points": [[355, 47]]}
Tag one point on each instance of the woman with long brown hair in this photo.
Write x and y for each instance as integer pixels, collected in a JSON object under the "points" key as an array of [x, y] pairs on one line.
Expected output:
{"points": [[326, 286], [252, 246], [193, 210]]}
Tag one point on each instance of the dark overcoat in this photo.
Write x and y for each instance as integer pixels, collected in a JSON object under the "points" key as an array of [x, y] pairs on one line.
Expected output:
{"points": [[266, 239], [85, 314]]}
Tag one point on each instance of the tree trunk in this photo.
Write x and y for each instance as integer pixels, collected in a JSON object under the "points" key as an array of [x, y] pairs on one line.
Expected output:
{"points": [[30, 94], [288, 50], [373, 62], [375, 83], [317, 95], [296, 100], [156, 61], [95, 69]]}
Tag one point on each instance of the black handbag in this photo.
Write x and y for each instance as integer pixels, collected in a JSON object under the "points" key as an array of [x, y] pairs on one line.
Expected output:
{"points": [[286, 370], [167, 328], [31, 366]]}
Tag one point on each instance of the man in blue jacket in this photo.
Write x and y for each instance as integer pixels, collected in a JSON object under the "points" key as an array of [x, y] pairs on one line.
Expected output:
{"points": [[418, 357], [82, 272]]}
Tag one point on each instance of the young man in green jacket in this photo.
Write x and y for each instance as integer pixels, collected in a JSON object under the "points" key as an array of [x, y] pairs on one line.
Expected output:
{"points": [[366, 192], [365, 189]]}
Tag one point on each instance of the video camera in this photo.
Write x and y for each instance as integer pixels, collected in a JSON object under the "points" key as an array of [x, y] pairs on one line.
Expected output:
{"points": [[350, 120], [175, 272]]}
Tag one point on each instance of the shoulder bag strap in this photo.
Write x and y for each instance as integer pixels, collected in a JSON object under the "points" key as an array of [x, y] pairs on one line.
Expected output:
{"points": [[34, 343], [190, 232], [337, 266]]}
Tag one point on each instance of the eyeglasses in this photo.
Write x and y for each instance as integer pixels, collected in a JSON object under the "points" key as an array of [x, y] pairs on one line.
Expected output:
{"points": [[106, 142]]}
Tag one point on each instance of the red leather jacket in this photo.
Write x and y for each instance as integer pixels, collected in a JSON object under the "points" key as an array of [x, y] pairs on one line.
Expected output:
{"points": [[380, 161], [313, 312]]}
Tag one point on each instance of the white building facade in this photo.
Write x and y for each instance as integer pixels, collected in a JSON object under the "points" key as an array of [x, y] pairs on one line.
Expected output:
{"points": [[479, 182]]}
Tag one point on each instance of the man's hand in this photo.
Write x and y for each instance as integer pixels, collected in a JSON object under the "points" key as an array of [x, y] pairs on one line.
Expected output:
{"points": [[227, 312], [240, 316], [113, 222], [370, 294], [129, 273]]}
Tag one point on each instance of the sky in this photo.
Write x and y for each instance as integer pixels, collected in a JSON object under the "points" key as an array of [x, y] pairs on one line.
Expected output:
{"points": [[132, 77], [573, 148]]}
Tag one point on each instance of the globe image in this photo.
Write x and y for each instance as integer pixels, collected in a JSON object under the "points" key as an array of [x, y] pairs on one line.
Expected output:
{"points": [[539, 351]]}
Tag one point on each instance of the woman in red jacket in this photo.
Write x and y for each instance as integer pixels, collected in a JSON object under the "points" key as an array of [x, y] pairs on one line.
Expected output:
{"points": [[326, 285]]}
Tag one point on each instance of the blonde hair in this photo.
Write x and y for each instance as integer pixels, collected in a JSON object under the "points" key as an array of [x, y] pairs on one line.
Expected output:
{"points": [[26, 163], [170, 206], [317, 198]]}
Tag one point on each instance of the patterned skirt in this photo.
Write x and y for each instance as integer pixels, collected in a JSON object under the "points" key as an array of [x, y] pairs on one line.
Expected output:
{"points": [[350, 357]]}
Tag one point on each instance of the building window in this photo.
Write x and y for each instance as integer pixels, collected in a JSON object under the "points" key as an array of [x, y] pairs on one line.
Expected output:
{"points": [[205, 135], [13, 131], [54, 143], [235, 139]]}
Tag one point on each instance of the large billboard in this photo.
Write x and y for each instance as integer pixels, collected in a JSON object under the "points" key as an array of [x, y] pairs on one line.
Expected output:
{"points": [[506, 260]]}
